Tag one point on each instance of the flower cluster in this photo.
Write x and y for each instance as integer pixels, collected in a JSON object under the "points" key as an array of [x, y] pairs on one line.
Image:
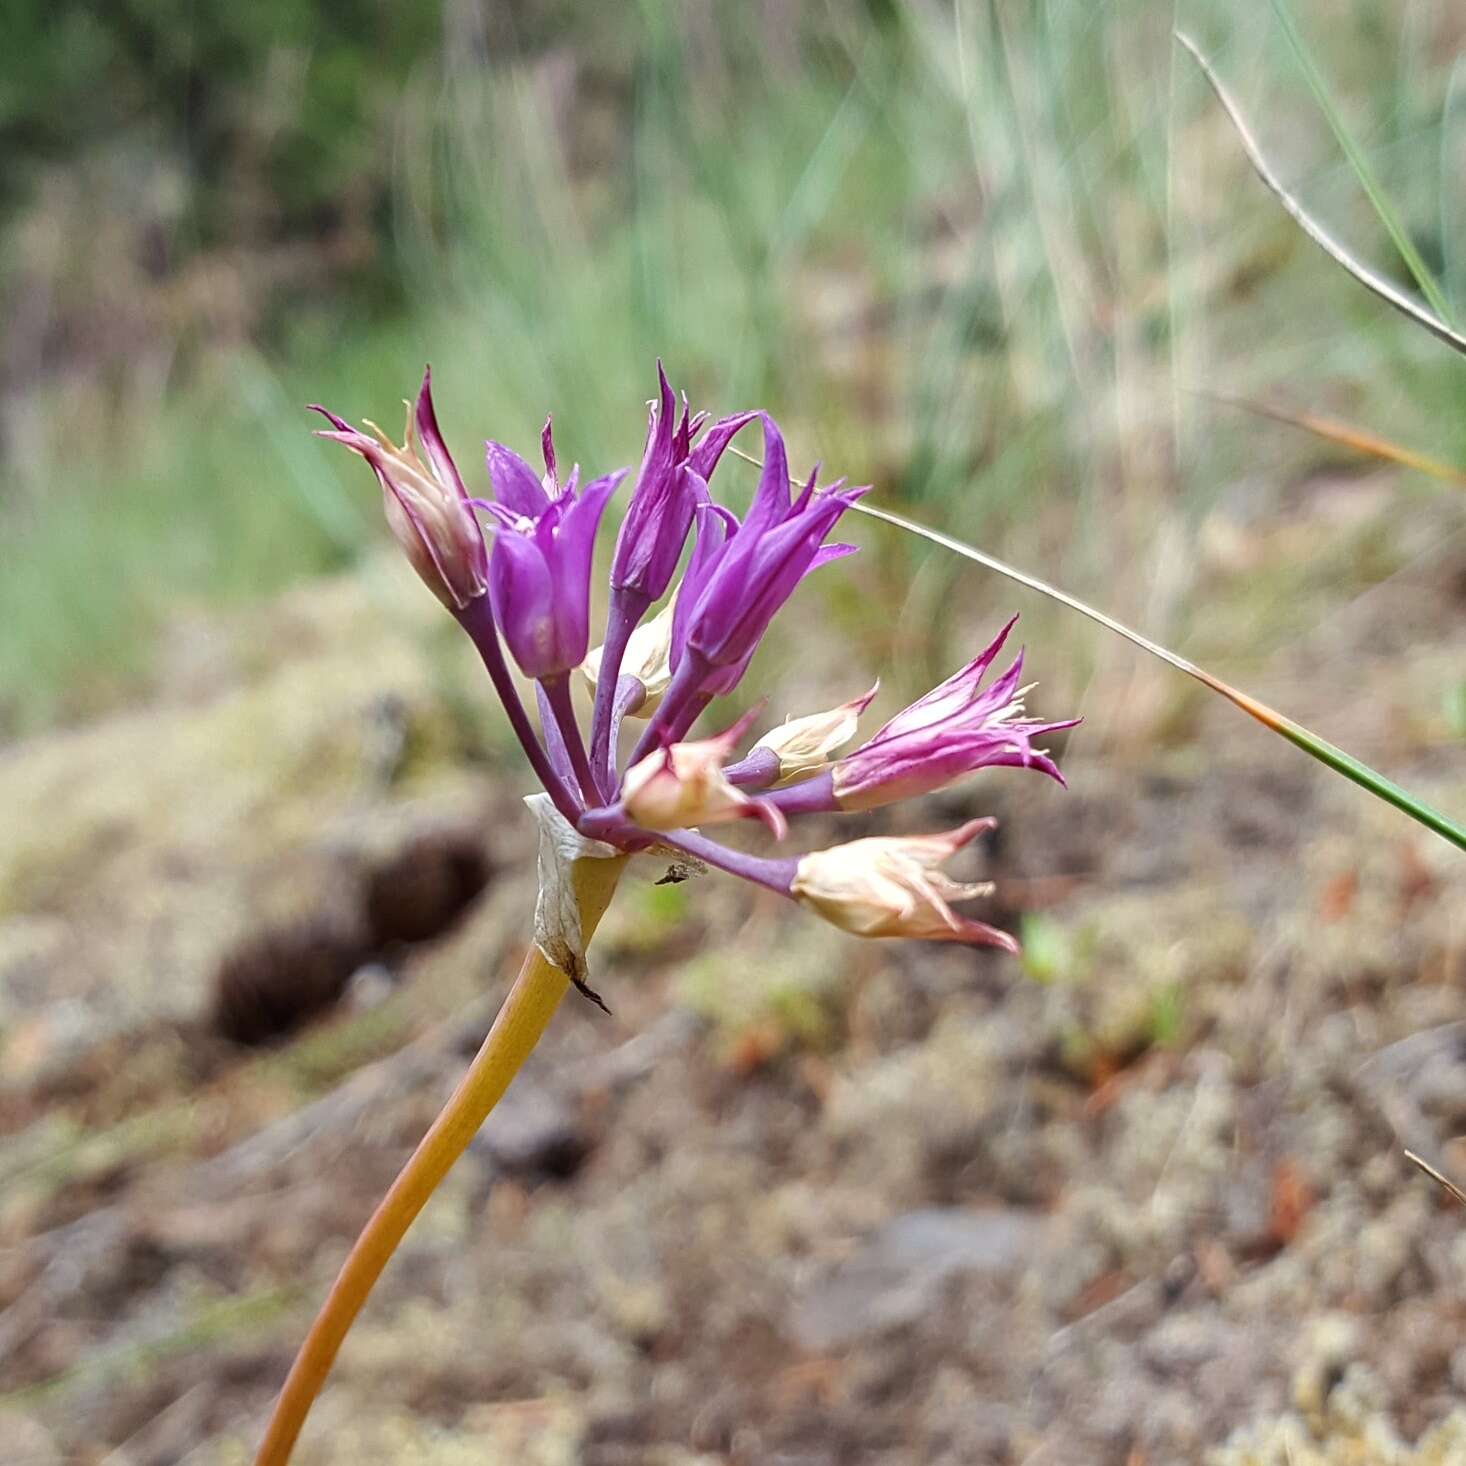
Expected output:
{"points": [[515, 569]]}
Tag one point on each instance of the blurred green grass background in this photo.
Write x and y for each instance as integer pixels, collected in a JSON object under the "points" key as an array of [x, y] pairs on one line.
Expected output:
{"points": [[983, 255]]}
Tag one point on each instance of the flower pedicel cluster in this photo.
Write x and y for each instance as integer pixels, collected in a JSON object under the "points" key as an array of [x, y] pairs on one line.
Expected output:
{"points": [[529, 590]]}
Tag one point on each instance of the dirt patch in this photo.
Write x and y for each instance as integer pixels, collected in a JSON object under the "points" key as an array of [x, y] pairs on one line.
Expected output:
{"points": [[1137, 1199]]}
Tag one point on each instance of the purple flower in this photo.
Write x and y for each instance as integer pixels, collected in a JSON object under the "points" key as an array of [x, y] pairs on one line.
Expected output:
{"points": [[957, 728], [428, 509], [669, 487], [741, 574], [662, 501], [537, 578], [539, 571]]}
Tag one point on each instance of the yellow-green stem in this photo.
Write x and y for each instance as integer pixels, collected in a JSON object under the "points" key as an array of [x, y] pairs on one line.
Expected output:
{"points": [[522, 1020]]}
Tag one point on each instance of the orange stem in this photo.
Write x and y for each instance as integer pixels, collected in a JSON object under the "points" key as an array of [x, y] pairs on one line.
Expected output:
{"points": [[517, 1029]]}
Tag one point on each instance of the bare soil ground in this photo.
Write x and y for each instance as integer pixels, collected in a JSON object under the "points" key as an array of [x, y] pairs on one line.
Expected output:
{"points": [[801, 1200]]}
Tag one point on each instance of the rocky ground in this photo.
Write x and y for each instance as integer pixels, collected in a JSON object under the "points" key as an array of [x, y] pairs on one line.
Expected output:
{"points": [[801, 1200]]}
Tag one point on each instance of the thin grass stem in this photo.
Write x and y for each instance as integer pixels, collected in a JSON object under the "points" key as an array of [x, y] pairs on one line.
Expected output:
{"points": [[1448, 1185], [1319, 748], [1367, 277], [1358, 440], [1378, 199]]}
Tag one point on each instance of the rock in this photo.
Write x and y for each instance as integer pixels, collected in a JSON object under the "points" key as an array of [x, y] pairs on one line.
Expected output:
{"points": [[899, 1273]]}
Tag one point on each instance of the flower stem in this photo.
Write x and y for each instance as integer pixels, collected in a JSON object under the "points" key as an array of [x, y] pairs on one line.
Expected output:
{"points": [[557, 695], [777, 875], [517, 1029], [477, 619], [627, 608], [682, 705]]}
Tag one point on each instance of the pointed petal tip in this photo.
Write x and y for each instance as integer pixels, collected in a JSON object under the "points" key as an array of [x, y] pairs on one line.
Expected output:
{"points": [[733, 734], [339, 423], [966, 834], [770, 816]]}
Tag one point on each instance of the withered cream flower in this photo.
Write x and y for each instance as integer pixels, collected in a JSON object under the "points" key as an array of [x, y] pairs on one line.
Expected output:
{"points": [[890, 886], [647, 658], [803, 745], [684, 784]]}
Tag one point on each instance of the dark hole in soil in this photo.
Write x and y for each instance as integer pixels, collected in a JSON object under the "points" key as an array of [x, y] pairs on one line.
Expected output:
{"points": [[279, 979], [424, 889]]}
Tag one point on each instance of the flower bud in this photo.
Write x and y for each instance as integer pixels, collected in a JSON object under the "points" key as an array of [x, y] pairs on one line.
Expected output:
{"points": [[891, 887], [683, 784], [804, 745], [647, 658], [427, 507]]}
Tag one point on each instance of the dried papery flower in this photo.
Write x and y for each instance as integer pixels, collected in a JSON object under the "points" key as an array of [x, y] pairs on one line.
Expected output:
{"points": [[646, 661], [890, 886], [799, 747], [684, 784]]}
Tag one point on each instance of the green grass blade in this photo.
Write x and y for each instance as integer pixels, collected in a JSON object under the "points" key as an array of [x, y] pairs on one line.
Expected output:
{"points": [[1351, 768], [1319, 748], [1429, 287]]}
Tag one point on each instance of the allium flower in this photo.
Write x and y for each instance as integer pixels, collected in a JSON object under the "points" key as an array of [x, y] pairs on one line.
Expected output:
{"points": [[662, 501], [428, 510], [539, 571], [741, 574], [698, 647], [890, 887], [957, 728], [670, 485], [684, 784], [597, 808]]}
